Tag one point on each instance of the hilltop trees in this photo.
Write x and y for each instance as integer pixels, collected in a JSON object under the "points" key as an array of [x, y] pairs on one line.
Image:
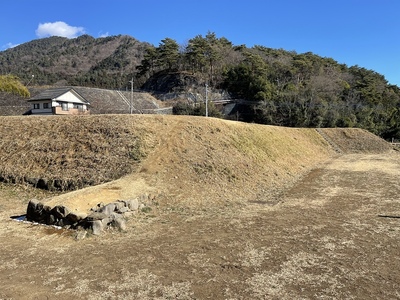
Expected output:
{"points": [[206, 57], [149, 62], [306, 90], [283, 87], [168, 54], [202, 53], [249, 79], [165, 57]]}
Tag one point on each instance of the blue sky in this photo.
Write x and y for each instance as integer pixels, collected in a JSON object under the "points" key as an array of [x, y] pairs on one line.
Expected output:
{"points": [[354, 32]]}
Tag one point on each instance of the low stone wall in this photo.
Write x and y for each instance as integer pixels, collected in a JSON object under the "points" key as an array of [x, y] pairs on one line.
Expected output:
{"points": [[96, 220]]}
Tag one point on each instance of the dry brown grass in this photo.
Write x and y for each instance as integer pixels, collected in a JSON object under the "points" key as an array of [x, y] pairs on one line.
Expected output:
{"points": [[220, 229], [356, 140], [68, 153], [186, 160], [199, 162]]}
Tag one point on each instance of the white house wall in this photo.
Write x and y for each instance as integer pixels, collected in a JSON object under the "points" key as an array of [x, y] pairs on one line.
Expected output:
{"points": [[69, 97], [69, 105]]}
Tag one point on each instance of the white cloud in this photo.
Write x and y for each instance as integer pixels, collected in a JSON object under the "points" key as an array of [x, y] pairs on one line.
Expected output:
{"points": [[9, 45], [103, 35], [58, 29]]}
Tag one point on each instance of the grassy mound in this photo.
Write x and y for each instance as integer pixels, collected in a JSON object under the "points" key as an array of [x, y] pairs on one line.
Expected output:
{"points": [[68, 153], [194, 160], [356, 140]]}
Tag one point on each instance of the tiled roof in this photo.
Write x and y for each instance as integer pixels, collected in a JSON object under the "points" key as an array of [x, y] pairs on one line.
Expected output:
{"points": [[50, 94], [54, 93]]}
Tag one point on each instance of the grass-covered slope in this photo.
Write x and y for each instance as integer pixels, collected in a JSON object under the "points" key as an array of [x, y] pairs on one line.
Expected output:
{"points": [[191, 159], [68, 153], [355, 140]]}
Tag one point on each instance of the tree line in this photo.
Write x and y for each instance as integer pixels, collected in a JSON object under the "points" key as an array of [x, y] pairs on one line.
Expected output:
{"points": [[283, 87]]}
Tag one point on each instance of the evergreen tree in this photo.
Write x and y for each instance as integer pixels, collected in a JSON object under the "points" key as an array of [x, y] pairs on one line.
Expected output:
{"points": [[149, 62], [168, 53]]}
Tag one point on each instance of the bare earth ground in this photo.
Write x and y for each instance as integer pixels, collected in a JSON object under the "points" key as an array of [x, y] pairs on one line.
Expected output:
{"points": [[332, 235]]}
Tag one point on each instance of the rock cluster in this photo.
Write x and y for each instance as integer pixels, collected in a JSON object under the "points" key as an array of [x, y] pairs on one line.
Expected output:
{"points": [[99, 217]]}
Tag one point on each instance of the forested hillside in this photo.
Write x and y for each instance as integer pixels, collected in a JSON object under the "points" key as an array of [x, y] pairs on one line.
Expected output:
{"points": [[275, 86], [283, 87], [85, 61]]}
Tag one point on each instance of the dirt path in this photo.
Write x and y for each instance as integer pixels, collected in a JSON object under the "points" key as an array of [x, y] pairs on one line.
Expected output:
{"points": [[323, 239]]}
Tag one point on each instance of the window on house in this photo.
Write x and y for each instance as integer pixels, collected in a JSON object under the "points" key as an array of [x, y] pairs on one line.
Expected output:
{"points": [[36, 105], [45, 105], [78, 106], [64, 106]]}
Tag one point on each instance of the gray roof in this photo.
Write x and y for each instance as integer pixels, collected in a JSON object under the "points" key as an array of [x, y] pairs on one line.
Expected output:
{"points": [[56, 92]]}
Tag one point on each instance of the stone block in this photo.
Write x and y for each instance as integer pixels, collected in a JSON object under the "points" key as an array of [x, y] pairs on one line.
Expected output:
{"points": [[32, 204], [133, 204], [34, 210], [60, 211], [97, 207], [119, 223], [51, 219], [75, 217], [108, 209], [119, 204], [96, 216], [106, 221], [123, 210], [97, 227]]}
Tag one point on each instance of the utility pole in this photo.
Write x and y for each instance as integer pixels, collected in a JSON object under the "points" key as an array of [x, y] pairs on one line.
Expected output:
{"points": [[131, 104], [33, 76], [206, 100]]}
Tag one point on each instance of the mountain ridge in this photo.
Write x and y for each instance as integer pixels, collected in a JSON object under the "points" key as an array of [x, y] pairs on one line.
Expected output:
{"points": [[55, 59]]}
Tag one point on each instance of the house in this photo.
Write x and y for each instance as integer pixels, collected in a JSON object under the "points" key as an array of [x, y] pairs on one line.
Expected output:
{"points": [[59, 101]]}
